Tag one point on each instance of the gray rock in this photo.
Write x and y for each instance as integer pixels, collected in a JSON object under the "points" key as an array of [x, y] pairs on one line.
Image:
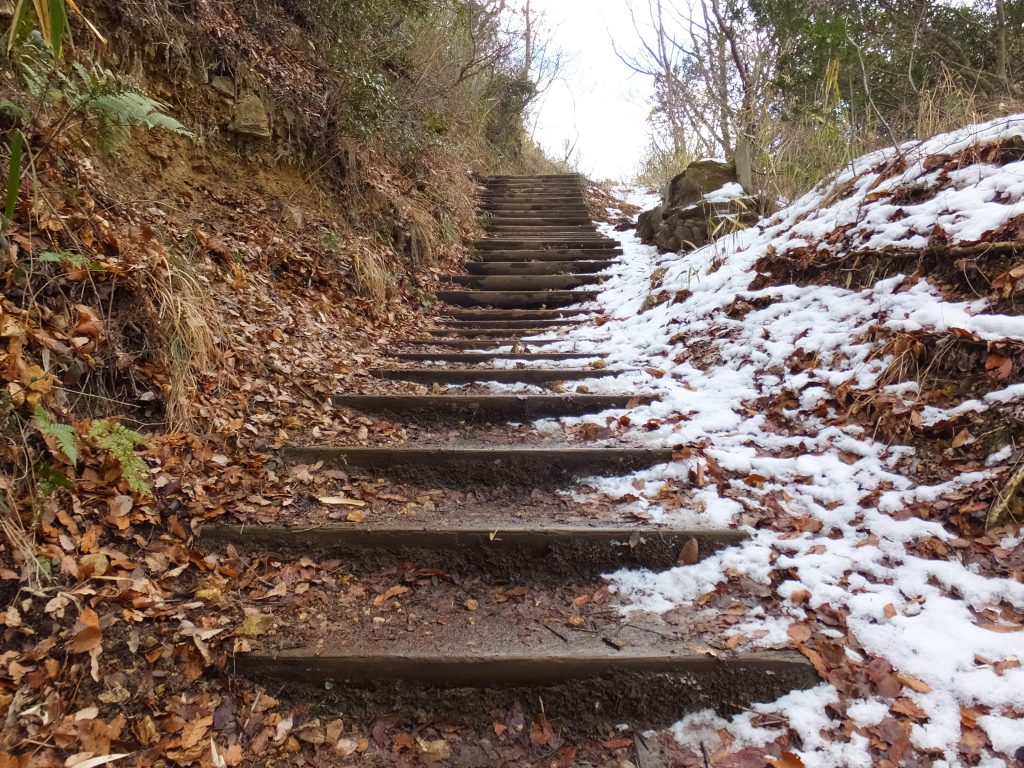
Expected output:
{"points": [[223, 85], [685, 221], [251, 117]]}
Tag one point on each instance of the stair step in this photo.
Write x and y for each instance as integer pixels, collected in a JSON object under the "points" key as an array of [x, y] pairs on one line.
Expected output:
{"points": [[581, 551], [498, 228], [514, 314], [525, 282], [490, 343], [527, 329], [452, 376], [519, 408], [539, 220], [516, 299], [482, 357], [649, 687], [547, 244], [528, 211], [469, 466], [511, 325], [538, 268], [545, 254]]}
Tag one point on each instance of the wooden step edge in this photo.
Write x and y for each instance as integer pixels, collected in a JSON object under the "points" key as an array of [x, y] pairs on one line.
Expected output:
{"points": [[508, 665], [517, 325], [630, 542], [442, 375], [483, 344], [479, 357], [560, 459], [490, 407], [517, 314]]}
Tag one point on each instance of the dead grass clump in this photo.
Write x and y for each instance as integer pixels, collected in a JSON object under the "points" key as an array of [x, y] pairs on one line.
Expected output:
{"points": [[185, 324], [372, 277]]}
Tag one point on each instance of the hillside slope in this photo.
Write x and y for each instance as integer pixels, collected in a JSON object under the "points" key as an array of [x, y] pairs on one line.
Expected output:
{"points": [[844, 380]]}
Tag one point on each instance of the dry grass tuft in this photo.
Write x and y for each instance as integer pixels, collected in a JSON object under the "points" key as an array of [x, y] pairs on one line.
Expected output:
{"points": [[186, 326], [371, 273]]}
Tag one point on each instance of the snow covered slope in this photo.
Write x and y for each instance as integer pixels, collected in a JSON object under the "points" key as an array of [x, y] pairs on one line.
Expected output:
{"points": [[846, 381]]}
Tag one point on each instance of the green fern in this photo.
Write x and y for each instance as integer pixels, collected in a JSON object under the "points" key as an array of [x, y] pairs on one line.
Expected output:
{"points": [[76, 260], [63, 435], [121, 442], [116, 103]]}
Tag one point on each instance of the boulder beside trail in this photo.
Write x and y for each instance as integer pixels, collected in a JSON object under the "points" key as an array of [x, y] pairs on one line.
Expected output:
{"points": [[698, 206]]}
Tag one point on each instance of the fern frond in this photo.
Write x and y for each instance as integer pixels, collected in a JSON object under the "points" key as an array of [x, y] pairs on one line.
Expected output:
{"points": [[121, 442], [63, 436], [128, 108]]}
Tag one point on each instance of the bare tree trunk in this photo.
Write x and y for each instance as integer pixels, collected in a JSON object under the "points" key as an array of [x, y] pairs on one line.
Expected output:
{"points": [[1001, 69]]}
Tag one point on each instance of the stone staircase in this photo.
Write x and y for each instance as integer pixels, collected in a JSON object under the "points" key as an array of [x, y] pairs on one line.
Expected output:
{"points": [[513, 565]]}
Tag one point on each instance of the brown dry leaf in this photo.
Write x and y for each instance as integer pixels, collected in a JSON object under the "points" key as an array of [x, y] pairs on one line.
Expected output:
{"points": [[195, 730], [617, 743], [88, 635], [379, 600], [690, 553], [434, 750], [254, 625], [963, 437], [357, 516], [914, 684], [799, 633], [339, 501], [889, 610], [800, 596], [785, 760]]}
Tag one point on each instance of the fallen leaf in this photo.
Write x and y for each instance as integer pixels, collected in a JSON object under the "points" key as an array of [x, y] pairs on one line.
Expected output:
{"points": [[690, 553], [254, 625], [195, 730], [799, 633], [617, 743], [914, 684], [92, 762], [785, 760], [341, 501], [379, 600]]}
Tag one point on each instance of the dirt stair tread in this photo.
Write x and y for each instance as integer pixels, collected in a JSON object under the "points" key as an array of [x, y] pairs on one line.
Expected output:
{"points": [[489, 407], [526, 375]]}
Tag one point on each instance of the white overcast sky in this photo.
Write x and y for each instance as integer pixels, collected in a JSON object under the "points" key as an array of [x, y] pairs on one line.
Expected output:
{"points": [[599, 103]]}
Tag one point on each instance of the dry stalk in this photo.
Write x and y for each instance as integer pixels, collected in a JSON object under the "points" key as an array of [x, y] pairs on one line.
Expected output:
{"points": [[999, 513]]}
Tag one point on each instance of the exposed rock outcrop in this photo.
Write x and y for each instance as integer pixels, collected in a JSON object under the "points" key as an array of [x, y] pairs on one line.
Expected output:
{"points": [[699, 205]]}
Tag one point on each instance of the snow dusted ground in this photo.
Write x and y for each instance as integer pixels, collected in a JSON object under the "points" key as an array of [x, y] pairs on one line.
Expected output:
{"points": [[861, 577]]}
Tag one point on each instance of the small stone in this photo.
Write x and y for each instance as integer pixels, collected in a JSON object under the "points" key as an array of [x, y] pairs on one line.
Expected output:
{"points": [[251, 117], [116, 695], [223, 85]]}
